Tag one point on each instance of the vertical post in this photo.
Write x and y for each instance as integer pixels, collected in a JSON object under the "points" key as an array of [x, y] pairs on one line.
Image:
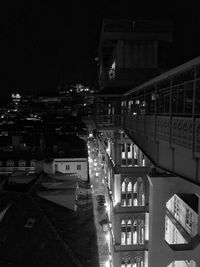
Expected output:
{"points": [[156, 111], [170, 112], [145, 111], [184, 98], [155, 108], [132, 156], [193, 112], [126, 153]]}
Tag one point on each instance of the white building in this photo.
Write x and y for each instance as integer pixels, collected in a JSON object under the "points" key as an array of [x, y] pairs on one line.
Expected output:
{"points": [[74, 166]]}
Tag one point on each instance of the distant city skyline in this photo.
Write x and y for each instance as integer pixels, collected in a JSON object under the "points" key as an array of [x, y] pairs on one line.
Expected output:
{"points": [[44, 46]]}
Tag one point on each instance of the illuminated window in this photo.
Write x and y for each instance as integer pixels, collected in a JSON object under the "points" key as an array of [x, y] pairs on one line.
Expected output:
{"points": [[128, 229], [33, 163], [123, 194], [129, 261], [10, 163], [179, 213], [132, 195], [185, 263], [123, 187], [176, 207], [141, 231], [135, 232], [22, 163], [188, 218], [141, 193], [132, 233], [123, 233], [112, 71], [129, 194], [135, 190]]}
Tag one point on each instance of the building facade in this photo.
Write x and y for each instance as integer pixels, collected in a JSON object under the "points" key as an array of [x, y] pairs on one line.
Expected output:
{"points": [[154, 201]]}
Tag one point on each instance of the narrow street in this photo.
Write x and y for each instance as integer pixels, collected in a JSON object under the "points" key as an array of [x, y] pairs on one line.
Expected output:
{"points": [[100, 214]]}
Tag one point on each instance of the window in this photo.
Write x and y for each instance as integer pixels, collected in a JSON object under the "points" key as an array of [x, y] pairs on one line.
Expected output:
{"points": [[56, 167], [135, 232], [33, 163], [188, 218], [132, 232], [22, 163], [123, 233], [123, 147], [10, 163], [30, 222], [128, 261], [79, 167], [174, 236], [128, 229], [176, 207], [141, 231], [67, 167], [128, 147], [123, 162], [141, 195], [1, 163], [129, 162], [129, 194], [123, 195], [135, 190], [132, 194], [123, 187]]}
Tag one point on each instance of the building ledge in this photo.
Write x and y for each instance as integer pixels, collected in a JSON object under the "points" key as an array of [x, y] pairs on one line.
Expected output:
{"points": [[119, 247], [138, 209]]}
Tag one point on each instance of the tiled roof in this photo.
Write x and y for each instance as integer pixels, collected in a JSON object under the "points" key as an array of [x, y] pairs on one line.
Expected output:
{"points": [[37, 232]]}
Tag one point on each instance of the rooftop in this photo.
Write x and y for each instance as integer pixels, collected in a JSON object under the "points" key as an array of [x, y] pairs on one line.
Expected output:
{"points": [[59, 236]]}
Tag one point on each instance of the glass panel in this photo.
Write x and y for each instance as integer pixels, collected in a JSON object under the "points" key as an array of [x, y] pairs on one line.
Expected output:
{"points": [[188, 97], [123, 187], [129, 187], [123, 238]]}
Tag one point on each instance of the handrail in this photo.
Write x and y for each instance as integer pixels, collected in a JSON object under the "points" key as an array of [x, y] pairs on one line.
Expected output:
{"points": [[166, 75]]}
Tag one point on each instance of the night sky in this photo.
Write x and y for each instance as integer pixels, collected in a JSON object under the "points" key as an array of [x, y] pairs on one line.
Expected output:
{"points": [[46, 45]]}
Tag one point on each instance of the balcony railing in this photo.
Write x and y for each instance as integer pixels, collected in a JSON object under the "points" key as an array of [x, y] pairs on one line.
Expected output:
{"points": [[136, 26]]}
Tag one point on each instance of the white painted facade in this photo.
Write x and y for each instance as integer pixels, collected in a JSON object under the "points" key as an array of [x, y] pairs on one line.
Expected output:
{"points": [[77, 166]]}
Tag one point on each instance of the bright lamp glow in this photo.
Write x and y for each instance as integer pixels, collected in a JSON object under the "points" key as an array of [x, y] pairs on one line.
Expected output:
{"points": [[108, 237]]}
